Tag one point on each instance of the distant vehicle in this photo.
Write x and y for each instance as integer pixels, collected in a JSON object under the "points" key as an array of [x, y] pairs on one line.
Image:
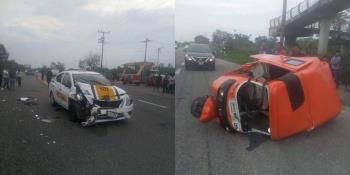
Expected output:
{"points": [[136, 73], [199, 55], [276, 95], [30, 72], [90, 97]]}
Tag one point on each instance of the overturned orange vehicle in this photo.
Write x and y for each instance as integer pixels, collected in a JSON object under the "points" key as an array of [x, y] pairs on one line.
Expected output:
{"points": [[275, 95]]}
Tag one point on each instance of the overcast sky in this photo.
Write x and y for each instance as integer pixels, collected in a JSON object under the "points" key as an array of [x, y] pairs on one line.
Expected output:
{"points": [[40, 31], [203, 17]]}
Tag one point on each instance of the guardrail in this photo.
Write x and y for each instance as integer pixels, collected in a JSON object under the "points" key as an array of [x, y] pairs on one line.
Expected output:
{"points": [[294, 12]]}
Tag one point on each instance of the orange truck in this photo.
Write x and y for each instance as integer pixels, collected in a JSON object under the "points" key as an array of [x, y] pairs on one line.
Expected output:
{"points": [[136, 73], [275, 95]]}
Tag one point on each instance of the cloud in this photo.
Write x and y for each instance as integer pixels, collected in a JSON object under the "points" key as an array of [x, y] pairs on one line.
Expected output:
{"points": [[44, 26], [112, 7]]}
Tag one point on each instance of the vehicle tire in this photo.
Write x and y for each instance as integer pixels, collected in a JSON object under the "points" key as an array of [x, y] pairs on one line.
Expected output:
{"points": [[52, 100], [212, 67], [72, 113]]}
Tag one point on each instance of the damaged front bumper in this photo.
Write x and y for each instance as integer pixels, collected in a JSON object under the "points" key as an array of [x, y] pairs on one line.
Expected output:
{"points": [[103, 115]]}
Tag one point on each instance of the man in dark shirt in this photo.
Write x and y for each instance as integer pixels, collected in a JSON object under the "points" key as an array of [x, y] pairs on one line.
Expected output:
{"points": [[12, 77], [48, 76]]}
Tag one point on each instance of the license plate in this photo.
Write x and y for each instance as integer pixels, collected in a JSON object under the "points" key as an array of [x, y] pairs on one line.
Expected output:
{"points": [[112, 114]]}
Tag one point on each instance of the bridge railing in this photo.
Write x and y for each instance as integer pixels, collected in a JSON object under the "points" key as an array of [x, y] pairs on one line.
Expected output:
{"points": [[341, 28], [293, 12]]}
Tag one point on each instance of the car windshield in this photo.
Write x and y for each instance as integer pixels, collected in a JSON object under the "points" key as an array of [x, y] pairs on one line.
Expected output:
{"points": [[91, 79], [201, 48]]}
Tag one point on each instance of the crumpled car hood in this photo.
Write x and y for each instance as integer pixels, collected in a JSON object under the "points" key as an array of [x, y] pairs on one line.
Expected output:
{"points": [[87, 89]]}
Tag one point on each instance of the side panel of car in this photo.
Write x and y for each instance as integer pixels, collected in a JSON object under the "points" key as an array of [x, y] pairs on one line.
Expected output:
{"points": [[284, 119], [55, 88], [65, 89]]}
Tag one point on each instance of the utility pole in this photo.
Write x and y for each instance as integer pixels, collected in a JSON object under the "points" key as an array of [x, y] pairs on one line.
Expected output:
{"points": [[283, 22], [102, 41], [158, 56], [145, 41]]}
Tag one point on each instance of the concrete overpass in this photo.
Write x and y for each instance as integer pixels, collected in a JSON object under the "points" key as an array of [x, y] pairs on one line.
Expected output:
{"points": [[310, 17]]}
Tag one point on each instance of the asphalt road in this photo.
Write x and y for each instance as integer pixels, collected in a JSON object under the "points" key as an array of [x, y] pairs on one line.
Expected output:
{"points": [[206, 149], [51, 144]]}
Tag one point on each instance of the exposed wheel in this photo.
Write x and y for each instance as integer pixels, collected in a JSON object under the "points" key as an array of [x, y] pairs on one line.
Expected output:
{"points": [[52, 100], [72, 113]]}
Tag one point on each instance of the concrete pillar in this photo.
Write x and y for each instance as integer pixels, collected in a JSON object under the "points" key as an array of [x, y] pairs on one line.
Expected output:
{"points": [[325, 25]]}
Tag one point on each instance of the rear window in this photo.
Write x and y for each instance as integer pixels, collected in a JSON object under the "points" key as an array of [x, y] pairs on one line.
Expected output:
{"points": [[95, 79]]}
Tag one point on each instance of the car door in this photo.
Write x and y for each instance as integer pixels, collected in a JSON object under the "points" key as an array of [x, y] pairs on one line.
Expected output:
{"points": [[66, 87], [56, 88]]}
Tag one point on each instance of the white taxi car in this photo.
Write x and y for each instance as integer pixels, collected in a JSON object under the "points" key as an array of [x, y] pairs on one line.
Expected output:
{"points": [[89, 97]]}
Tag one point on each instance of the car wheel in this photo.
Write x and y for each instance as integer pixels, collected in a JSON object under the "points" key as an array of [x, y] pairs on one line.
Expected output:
{"points": [[52, 100], [213, 67], [72, 113]]}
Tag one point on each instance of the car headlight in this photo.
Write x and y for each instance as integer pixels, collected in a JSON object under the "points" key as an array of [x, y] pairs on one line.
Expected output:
{"points": [[188, 57], [212, 58], [128, 100]]}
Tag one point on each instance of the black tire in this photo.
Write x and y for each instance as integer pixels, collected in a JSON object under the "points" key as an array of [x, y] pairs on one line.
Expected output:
{"points": [[52, 100], [212, 67], [72, 113]]}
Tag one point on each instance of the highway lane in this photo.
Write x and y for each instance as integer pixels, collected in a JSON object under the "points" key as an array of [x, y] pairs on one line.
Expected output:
{"points": [[206, 149], [51, 144]]}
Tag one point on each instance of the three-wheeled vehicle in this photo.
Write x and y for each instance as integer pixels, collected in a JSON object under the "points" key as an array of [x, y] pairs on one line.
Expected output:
{"points": [[275, 95]]}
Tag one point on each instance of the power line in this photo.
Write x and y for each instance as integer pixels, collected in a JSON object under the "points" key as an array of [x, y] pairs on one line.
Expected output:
{"points": [[102, 41], [146, 42]]}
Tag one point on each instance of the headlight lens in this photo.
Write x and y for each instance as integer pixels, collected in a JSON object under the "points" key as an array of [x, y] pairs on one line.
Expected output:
{"points": [[128, 100], [211, 58]]}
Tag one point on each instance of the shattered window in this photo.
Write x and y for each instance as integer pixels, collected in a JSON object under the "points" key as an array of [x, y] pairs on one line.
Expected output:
{"points": [[95, 79], [59, 78]]}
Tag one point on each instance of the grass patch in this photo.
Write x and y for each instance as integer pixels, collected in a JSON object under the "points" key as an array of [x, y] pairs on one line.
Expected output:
{"points": [[239, 56]]}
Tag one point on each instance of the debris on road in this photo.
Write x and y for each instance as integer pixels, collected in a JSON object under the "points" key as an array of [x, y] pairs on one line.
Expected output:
{"points": [[28, 100], [47, 120]]}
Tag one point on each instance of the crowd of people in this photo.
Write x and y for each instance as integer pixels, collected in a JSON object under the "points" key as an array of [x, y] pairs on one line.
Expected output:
{"points": [[8, 78], [335, 61], [167, 83]]}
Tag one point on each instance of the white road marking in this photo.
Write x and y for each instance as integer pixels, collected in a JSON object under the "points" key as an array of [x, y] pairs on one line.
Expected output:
{"points": [[177, 72], [143, 101]]}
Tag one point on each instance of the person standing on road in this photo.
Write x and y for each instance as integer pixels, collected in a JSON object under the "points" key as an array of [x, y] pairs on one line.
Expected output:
{"points": [[172, 84], [335, 67], [12, 77], [165, 83], [42, 73], [158, 82], [264, 49], [19, 77], [1, 73], [48, 76], [6, 79]]}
